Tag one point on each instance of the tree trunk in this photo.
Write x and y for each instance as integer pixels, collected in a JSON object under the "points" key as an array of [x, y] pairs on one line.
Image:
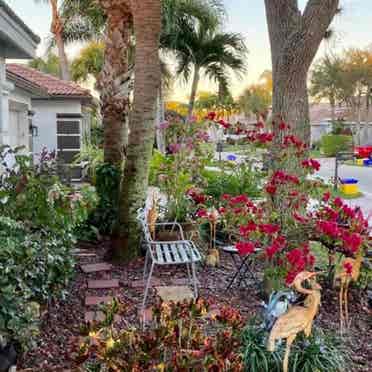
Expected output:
{"points": [[114, 99], [57, 31], [160, 134], [147, 28], [333, 109], [194, 89], [295, 38]]}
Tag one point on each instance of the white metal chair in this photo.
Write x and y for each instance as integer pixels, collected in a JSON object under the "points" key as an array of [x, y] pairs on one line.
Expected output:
{"points": [[177, 252]]}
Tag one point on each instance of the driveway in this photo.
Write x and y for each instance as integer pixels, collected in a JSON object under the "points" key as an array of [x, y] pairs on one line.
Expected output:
{"points": [[363, 174]]}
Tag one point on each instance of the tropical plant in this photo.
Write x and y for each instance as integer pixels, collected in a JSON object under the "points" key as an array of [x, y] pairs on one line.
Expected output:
{"points": [[176, 340], [328, 81], [256, 100], [49, 65], [89, 62], [205, 49]]}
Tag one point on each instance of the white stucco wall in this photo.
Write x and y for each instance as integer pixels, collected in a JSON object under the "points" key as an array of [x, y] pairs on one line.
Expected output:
{"points": [[45, 119]]}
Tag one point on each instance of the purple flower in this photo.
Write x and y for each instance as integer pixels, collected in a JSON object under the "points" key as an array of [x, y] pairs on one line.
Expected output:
{"points": [[231, 157], [175, 147], [163, 125]]}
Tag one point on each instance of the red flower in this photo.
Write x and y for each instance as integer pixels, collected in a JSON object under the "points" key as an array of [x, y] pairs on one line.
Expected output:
{"points": [[202, 213], [211, 115], [311, 164], [259, 125], [222, 210], [352, 241], [241, 199], [338, 202], [271, 250], [348, 266], [301, 219], [270, 189], [226, 197], [245, 248], [291, 275], [245, 230], [268, 229], [282, 125], [329, 228], [326, 196]]}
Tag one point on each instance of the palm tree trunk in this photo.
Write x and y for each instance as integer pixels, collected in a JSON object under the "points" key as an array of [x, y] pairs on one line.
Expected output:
{"points": [[194, 89], [147, 28], [160, 137], [57, 31], [115, 99]]}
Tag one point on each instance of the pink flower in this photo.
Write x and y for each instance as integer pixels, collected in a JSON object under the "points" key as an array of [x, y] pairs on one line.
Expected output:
{"points": [[241, 199], [338, 202], [174, 148], [352, 241], [245, 248], [163, 125]]}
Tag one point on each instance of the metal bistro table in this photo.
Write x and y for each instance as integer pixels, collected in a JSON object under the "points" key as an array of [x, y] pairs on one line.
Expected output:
{"points": [[243, 266]]}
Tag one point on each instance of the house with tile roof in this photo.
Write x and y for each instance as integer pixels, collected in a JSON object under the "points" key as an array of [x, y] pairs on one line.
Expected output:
{"points": [[61, 112], [37, 110], [19, 42]]}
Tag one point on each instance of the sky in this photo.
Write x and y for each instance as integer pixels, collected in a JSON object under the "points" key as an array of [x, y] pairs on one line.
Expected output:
{"points": [[353, 28]]}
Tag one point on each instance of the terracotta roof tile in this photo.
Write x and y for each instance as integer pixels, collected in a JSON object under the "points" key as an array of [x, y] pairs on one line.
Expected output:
{"points": [[51, 84]]}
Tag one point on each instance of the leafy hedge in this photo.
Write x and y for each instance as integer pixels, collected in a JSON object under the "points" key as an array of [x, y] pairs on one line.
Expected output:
{"points": [[36, 238], [331, 144]]}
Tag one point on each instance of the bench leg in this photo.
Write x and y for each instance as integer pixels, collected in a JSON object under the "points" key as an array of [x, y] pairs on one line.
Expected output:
{"points": [[147, 288], [195, 280], [146, 264], [188, 273]]}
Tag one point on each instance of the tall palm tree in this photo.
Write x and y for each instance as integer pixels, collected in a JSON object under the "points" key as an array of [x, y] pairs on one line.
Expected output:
{"points": [[147, 29], [57, 30], [204, 49]]}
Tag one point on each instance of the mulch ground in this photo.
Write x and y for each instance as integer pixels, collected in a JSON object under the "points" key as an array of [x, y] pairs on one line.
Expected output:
{"points": [[61, 325]]}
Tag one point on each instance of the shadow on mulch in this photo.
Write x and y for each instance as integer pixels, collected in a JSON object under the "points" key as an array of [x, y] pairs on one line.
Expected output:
{"points": [[61, 326]]}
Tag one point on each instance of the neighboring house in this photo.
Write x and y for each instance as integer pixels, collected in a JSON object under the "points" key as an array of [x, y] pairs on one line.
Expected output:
{"points": [[17, 41], [61, 112]]}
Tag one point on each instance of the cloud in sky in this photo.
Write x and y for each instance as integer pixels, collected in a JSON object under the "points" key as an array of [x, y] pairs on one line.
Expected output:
{"points": [[352, 28]]}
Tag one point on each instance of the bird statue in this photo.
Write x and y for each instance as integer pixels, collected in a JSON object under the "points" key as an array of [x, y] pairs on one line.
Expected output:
{"points": [[152, 217], [298, 318], [278, 304], [349, 271]]}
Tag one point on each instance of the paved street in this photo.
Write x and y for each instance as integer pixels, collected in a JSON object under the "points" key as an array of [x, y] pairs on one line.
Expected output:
{"points": [[363, 174]]}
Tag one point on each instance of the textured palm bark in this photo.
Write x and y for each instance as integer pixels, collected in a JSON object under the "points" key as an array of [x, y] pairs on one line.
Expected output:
{"points": [[147, 28], [114, 75], [57, 30], [295, 37]]}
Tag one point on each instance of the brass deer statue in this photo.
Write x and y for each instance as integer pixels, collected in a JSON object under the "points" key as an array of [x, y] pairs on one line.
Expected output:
{"points": [[349, 271], [298, 318]]}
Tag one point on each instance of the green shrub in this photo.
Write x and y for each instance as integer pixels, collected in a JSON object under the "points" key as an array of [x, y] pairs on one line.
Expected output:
{"points": [[104, 216], [331, 144], [320, 352], [36, 239], [235, 180]]}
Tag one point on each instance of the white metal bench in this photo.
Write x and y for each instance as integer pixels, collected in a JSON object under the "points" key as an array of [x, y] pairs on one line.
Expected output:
{"points": [[177, 252]]}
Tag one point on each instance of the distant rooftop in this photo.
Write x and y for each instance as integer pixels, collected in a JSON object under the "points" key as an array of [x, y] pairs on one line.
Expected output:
{"points": [[52, 85]]}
